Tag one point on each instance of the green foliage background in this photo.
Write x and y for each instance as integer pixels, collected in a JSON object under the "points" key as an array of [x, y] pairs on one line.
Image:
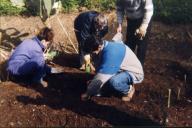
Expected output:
{"points": [[6, 8], [169, 11], [173, 11]]}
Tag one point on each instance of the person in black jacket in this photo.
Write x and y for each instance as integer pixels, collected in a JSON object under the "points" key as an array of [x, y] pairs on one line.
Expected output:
{"points": [[87, 24]]}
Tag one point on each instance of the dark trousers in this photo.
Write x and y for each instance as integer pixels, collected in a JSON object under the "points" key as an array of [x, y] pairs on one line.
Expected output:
{"points": [[132, 40], [30, 73]]}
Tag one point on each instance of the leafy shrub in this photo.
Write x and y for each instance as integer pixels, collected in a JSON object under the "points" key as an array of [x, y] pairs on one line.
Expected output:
{"points": [[6, 8], [173, 11], [69, 5]]}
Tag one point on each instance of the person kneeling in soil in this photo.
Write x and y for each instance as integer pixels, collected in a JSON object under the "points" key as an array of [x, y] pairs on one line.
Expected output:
{"points": [[27, 64], [87, 24], [118, 66]]}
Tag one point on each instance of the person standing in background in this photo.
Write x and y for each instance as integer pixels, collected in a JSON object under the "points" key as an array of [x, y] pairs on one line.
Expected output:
{"points": [[138, 14]]}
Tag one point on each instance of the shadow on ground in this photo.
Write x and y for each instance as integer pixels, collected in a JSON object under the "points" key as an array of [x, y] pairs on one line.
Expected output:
{"points": [[64, 92]]}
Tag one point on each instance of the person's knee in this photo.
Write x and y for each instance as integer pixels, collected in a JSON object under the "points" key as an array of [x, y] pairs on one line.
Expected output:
{"points": [[114, 82]]}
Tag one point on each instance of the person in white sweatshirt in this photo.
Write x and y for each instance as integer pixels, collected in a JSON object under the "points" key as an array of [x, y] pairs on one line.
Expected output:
{"points": [[138, 14]]}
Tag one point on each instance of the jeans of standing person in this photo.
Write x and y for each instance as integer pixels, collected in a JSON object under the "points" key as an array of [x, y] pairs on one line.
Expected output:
{"points": [[121, 82], [132, 40]]}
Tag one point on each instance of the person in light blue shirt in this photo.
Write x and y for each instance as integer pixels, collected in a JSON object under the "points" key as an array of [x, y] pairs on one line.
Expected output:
{"points": [[27, 63]]}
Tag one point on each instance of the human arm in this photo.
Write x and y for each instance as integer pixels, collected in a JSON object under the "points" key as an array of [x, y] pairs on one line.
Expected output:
{"points": [[120, 12], [148, 8]]}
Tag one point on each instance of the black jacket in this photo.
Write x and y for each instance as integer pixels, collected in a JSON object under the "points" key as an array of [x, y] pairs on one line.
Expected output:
{"points": [[84, 25]]}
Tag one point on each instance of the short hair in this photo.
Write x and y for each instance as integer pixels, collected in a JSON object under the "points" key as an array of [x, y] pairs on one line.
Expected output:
{"points": [[45, 34], [101, 20], [92, 43]]}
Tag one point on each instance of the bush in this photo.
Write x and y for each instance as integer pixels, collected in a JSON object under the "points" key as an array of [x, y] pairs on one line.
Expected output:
{"points": [[69, 5], [173, 11], [6, 8]]}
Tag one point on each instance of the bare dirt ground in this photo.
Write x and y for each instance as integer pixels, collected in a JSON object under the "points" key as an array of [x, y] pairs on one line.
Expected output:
{"points": [[168, 66]]}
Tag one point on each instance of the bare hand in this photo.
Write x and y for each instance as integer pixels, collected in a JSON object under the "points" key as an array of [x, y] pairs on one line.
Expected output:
{"points": [[141, 32]]}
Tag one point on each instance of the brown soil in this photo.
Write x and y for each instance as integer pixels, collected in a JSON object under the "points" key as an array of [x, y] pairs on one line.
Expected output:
{"points": [[168, 66]]}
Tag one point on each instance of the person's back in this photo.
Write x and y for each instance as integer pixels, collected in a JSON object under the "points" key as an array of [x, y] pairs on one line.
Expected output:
{"points": [[23, 53], [85, 19], [117, 56]]}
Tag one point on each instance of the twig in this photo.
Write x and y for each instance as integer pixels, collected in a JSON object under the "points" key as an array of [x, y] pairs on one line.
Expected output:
{"points": [[169, 98], [189, 34], [66, 34], [185, 78], [178, 93], [0, 37]]}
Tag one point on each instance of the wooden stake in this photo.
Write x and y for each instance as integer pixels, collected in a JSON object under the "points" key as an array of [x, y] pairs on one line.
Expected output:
{"points": [[178, 93], [66, 34], [0, 37], [169, 98], [185, 78]]}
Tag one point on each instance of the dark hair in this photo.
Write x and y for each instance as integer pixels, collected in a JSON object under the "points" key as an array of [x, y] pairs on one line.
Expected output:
{"points": [[91, 44], [45, 34], [101, 20]]}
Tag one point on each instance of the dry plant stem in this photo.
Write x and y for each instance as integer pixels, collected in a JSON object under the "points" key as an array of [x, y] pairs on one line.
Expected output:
{"points": [[66, 34], [0, 37], [169, 98], [185, 78], [178, 93]]}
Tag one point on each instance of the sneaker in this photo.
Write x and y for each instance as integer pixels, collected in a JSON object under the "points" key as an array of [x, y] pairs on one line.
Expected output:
{"points": [[129, 95]]}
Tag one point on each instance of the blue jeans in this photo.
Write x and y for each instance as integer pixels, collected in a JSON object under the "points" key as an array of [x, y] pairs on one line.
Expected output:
{"points": [[121, 82]]}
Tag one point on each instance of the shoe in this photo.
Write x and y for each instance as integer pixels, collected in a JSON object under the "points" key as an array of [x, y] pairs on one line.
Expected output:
{"points": [[129, 95]]}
